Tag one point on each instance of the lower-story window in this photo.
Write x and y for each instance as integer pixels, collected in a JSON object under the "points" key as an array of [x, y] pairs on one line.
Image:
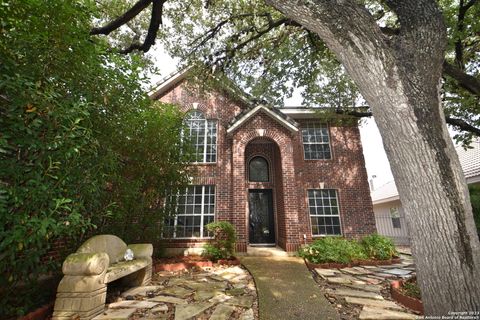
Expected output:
{"points": [[195, 208], [324, 213]]}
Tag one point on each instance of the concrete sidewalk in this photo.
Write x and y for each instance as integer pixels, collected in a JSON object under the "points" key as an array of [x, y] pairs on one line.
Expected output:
{"points": [[286, 290]]}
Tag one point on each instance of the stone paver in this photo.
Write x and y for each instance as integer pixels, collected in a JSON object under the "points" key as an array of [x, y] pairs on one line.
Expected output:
{"points": [[178, 292], [374, 303], [168, 299], [369, 313], [133, 304], [222, 312], [327, 272], [368, 287], [160, 308], [247, 315], [188, 311], [355, 293], [398, 272], [243, 301], [141, 291], [115, 314]]}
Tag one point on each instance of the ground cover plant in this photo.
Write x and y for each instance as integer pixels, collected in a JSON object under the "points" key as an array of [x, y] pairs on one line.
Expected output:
{"points": [[411, 289], [340, 250]]}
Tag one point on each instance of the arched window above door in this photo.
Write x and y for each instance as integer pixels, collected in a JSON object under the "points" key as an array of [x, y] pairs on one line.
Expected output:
{"points": [[258, 170]]}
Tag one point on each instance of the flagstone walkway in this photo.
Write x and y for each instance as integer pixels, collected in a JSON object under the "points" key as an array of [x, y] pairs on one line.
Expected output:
{"points": [[214, 293], [286, 290], [366, 288]]}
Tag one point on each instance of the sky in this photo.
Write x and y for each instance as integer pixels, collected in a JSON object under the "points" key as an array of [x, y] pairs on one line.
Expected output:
{"points": [[376, 162]]}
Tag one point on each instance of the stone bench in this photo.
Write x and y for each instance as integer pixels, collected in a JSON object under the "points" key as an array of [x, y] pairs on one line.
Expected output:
{"points": [[82, 292]]}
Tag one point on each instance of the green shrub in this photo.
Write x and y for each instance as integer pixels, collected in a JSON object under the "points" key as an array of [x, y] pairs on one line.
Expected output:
{"points": [[223, 244], [82, 148], [332, 249], [378, 247]]}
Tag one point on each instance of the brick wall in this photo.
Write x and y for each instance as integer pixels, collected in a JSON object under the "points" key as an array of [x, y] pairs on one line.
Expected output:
{"points": [[291, 174]]}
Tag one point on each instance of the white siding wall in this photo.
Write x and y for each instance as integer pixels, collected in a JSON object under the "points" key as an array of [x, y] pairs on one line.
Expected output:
{"points": [[384, 223]]}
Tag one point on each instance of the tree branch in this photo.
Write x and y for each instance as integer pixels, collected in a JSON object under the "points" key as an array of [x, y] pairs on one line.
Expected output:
{"points": [[123, 19], [462, 125], [458, 123], [155, 22], [466, 81]]}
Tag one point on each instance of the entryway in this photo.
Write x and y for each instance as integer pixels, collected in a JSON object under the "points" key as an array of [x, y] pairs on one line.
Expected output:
{"points": [[261, 217]]}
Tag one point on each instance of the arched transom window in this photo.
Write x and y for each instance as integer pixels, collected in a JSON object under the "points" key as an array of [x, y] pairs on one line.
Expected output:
{"points": [[203, 134], [258, 170]]}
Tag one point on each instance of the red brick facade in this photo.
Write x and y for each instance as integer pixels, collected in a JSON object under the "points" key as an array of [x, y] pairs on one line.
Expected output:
{"points": [[291, 175]]}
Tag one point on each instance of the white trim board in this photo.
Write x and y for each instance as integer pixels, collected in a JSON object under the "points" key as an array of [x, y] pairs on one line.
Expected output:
{"points": [[269, 112]]}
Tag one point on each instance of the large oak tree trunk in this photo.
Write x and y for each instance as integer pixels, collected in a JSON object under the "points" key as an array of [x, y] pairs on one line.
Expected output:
{"points": [[400, 79]]}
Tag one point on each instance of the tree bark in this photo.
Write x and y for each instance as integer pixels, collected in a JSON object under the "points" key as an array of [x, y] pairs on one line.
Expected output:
{"points": [[399, 76]]}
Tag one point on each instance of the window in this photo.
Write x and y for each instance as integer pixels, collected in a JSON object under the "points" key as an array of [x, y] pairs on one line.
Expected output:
{"points": [[324, 213], [258, 170], [195, 208], [395, 215], [203, 134], [316, 142]]}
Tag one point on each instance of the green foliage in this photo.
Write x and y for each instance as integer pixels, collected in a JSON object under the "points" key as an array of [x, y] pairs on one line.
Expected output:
{"points": [[223, 244], [332, 249], [256, 47], [81, 146], [378, 247], [411, 289], [340, 250], [475, 200]]}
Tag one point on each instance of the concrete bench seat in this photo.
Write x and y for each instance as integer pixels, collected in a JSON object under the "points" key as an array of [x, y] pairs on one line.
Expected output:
{"points": [[82, 291], [124, 268]]}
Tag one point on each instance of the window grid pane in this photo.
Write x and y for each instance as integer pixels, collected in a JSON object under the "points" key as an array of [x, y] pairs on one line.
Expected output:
{"points": [[316, 142], [203, 134], [324, 213], [195, 209]]}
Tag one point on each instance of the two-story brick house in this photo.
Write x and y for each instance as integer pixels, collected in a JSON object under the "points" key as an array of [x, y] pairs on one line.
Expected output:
{"points": [[282, 176]]}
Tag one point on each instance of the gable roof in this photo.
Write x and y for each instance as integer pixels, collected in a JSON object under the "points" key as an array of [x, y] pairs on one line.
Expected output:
{"points": [[273, 113], [225, 85], [168, 82], [386, 193], [470, 161]]}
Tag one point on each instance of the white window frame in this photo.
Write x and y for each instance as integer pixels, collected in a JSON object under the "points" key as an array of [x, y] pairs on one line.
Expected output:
{"points": [[205, 125], [202, 213], [325, 215], [395, 214], [316, 125]]}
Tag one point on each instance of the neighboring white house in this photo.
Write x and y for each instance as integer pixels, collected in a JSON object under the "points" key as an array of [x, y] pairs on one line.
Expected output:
{"points": [[389, 214]]}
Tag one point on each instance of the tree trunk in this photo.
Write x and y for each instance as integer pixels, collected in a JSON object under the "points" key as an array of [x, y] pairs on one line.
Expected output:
{"points": [[400, 78]]}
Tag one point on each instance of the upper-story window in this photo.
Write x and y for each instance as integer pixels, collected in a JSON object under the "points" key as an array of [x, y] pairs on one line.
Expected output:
{"points": [[258, 170], [203, 134], [316, 141]]}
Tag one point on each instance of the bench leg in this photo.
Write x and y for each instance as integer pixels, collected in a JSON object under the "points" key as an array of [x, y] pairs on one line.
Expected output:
{"points": [[80, 297], [142, 277]]}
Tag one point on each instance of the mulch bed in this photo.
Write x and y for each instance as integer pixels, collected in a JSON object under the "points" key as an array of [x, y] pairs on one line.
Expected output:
{"points": [[42, 313], [402, 297], [187, 262], [332, 265]]}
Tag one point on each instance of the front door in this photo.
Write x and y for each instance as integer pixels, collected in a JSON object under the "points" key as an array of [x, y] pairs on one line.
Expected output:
{"points": [[262, 227]]}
